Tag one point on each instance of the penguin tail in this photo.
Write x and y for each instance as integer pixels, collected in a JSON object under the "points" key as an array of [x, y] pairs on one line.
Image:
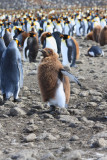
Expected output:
{"points": [[71, 76]]}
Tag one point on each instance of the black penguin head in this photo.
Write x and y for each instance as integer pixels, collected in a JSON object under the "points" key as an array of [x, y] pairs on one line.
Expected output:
{"points": [[48, 34], [64, 36], [17, 42], [48, 23], [32, 34]]}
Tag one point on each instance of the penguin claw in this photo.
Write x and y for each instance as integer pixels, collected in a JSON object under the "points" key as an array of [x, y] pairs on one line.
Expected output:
{"points": [[16, 100]]}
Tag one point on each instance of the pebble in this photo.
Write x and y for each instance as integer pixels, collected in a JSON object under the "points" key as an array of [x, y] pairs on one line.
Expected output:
{"points": [[48, 156], [101, 142], [96, 99], [16, 111], [68, 119], [95, 93], [73, 155], [47, 136], [75, 91], [84, 93], [74, 138], [29, 138], [31, 128], [91, 104]]}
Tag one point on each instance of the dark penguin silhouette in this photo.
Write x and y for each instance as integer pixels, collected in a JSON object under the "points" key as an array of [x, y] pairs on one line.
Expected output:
{"points": [[56, 35], [69, 50], [11, 72], [7, 37], [95, 51], [31, 47], [2, 49]]}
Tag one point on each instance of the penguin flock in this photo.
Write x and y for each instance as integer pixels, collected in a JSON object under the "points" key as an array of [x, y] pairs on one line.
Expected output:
{"points": [[54, 35]]}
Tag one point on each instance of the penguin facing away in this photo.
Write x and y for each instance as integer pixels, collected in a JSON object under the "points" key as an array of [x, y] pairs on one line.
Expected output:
{"points": [[48, 41], [53, 81], [103, 36], [69, 50], [95, 51], [96, 33], [31, 47], [11, 72]]}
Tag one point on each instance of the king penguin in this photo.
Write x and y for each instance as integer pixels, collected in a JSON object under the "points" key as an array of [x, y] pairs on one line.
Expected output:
{"points": [[7, 37], [48, 41], [69, 50], [95, 51], [53, 80], [30, 48], [11, 72], [2, 49]]}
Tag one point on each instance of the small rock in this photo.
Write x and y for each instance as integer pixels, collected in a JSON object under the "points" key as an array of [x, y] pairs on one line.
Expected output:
{"points": [[99, 143], [74, 138], [17, 112], [31, 128], [48, 156], [96, 99], [75, 91], [68, 119], [84, 93], [91, 104], [95, 93], [73, 155], [48, 116], [31, 137], [32, 73], [102, 158]]}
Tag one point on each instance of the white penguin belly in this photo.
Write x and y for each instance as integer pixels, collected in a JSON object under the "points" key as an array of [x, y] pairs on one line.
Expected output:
{"points": [[60, 98], [51, 43], [24, 46], [64, 51]]}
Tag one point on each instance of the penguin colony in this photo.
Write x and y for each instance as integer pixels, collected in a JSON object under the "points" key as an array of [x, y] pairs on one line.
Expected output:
{"points": [[55, 33]]}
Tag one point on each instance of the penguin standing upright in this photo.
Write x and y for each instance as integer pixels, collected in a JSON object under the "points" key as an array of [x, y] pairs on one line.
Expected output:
{"points": [[48, 41], [69, 50], [53, 84], [2, 49], [7, 37], [56, 35], [103, 36], [31, 47], [11, 72]]}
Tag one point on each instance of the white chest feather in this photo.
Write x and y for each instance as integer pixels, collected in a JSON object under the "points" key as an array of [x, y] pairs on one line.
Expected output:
{"points": [[51, 43], [59, 99], [64, 51], [24, 47]]}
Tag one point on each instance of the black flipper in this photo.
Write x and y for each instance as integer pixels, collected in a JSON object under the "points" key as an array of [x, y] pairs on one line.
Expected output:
{"points": [[71, 77]]}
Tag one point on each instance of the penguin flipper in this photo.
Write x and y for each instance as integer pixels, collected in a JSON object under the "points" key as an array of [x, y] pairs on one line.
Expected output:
{"points": [[71, 52], [19, 64], [71, 77]]}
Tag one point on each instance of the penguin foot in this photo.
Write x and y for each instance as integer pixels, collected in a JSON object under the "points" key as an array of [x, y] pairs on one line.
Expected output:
{"points": [[4, 97], [74, 65], [16, 100]]}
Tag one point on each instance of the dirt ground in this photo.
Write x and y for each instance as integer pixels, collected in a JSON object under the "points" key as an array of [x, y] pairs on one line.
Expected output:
{"points": [[78, 132]]}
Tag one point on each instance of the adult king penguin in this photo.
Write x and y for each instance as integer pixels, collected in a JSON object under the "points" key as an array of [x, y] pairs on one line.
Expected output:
{"points": [[2, 49], [7, 37], [69, 50], [53, 81], [95, 51], [11, 72], [31, 47], [48, 41]]}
